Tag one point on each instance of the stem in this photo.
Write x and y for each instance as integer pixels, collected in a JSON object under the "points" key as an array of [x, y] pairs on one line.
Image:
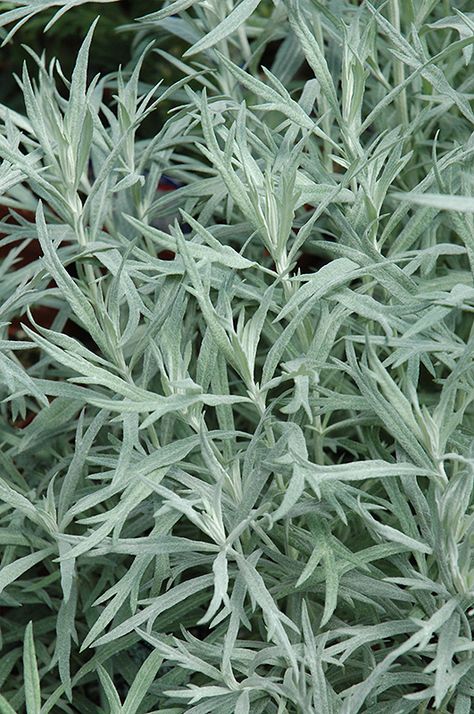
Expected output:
{"points": [[399, 67]]}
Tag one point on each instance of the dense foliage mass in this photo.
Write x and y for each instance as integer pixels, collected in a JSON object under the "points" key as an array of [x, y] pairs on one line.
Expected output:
{"points": [[237, 416]]}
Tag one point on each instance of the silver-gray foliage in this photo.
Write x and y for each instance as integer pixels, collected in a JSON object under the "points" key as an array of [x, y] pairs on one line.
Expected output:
{"points": [[245, 484]]}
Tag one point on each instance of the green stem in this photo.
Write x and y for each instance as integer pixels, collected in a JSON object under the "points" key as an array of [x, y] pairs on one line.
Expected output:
{"points": [[399, 67]]}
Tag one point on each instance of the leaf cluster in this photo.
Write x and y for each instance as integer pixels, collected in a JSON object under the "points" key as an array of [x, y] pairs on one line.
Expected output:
{"points": [[237, 458]]}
